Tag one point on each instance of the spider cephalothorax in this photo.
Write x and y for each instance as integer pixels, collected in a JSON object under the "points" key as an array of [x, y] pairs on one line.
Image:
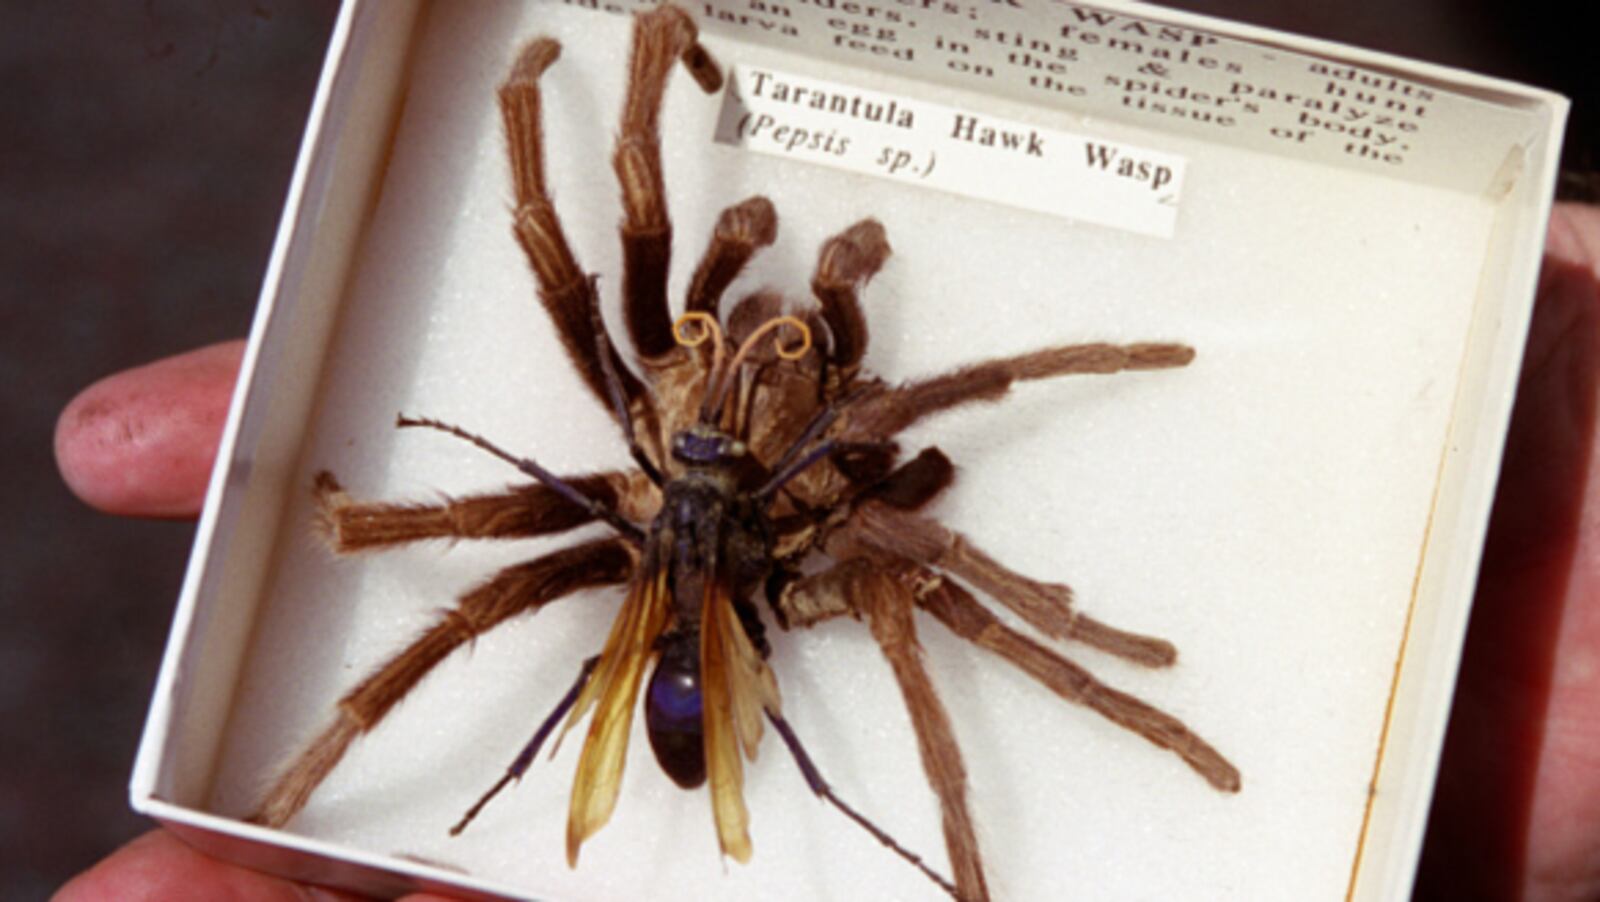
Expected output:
{"points": [[760, 443]]}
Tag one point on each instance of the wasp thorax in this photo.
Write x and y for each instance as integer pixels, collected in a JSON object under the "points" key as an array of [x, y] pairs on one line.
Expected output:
{"points": [[705, 445]]}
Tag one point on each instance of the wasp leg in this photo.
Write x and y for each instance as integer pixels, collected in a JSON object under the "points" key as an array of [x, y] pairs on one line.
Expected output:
{"points": [[812, 458], [518, 512], [814, 779], [616, 393], [957, 609], [512, 591], [519, 765], [661, 37]]}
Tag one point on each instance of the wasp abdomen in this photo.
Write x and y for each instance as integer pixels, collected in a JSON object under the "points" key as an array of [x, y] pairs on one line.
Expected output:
{"points": [[673, 707]]}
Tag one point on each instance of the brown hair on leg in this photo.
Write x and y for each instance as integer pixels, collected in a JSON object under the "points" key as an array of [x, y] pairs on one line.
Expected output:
{"points": [[1047, 607], [886, 414], [741, 230], [887, 601], [661, 37], [512, 591], [915, 482], [519, 512], [957, 609], [564, 289], [845, 263]]}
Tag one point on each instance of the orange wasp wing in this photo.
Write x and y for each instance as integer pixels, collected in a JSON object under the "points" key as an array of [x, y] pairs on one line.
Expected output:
{"points": [[737, 687], [612, 691]]}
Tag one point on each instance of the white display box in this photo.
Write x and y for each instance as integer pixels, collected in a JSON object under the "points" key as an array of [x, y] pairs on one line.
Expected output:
{"points": [[1300, 511]]}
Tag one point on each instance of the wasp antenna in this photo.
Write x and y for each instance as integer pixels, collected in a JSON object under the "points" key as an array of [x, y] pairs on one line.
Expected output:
{"points": [[596, 509], [792, 352], [706, 329]]}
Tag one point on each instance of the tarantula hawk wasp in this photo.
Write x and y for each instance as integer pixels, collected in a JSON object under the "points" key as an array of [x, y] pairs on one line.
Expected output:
{"points": [[750, 459]]}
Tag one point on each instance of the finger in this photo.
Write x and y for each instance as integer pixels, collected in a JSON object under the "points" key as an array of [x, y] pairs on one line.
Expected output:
{"points": [[141, 442], [1563, 840], [159, 867], [1517, 809], [1574, 235]]}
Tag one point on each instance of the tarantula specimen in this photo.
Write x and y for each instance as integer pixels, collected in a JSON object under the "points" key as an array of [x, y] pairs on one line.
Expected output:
{"points": [[760, 441]]}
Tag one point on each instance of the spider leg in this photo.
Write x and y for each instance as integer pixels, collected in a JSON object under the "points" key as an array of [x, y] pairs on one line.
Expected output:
{"points": [[519, 765], [566, 292], [957, 609], [801, 601], [595, 508], [915, 482], [887, 600], [844, 264], [1045, 606], [806, 461], [518, 512], [887, 413], [741, 230], [512, 591], [661, 37]]}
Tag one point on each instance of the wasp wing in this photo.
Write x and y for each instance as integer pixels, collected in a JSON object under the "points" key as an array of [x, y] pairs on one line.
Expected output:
{"points": [[612, 691], [736, 686]]}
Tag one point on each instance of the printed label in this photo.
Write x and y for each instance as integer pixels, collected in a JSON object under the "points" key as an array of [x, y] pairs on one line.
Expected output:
{"points": [[960, 151], [1139, 65]]}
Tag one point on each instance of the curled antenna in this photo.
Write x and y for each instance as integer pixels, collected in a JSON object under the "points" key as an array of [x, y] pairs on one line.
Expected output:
{"points": [[704, 329], [720, 379]]}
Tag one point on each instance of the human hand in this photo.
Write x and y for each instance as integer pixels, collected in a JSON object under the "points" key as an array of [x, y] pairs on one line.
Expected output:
{"points": [[1517, 812], [141, 443]]}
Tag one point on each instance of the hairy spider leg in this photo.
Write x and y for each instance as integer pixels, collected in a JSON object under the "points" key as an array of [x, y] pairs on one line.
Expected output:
{"points": [[827, 449], [741, 230], [887, 602], [519, 512], [881, 590], [844, 264], [596, 508], [661, 37], [872, 578], [908, 487], [519, 765], [512, 591], [957, 609], [1046, 607], [565, 290], [889, 412]]}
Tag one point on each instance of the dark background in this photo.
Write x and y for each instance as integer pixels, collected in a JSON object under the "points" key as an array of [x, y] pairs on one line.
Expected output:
{"points": [[145, 148]]}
